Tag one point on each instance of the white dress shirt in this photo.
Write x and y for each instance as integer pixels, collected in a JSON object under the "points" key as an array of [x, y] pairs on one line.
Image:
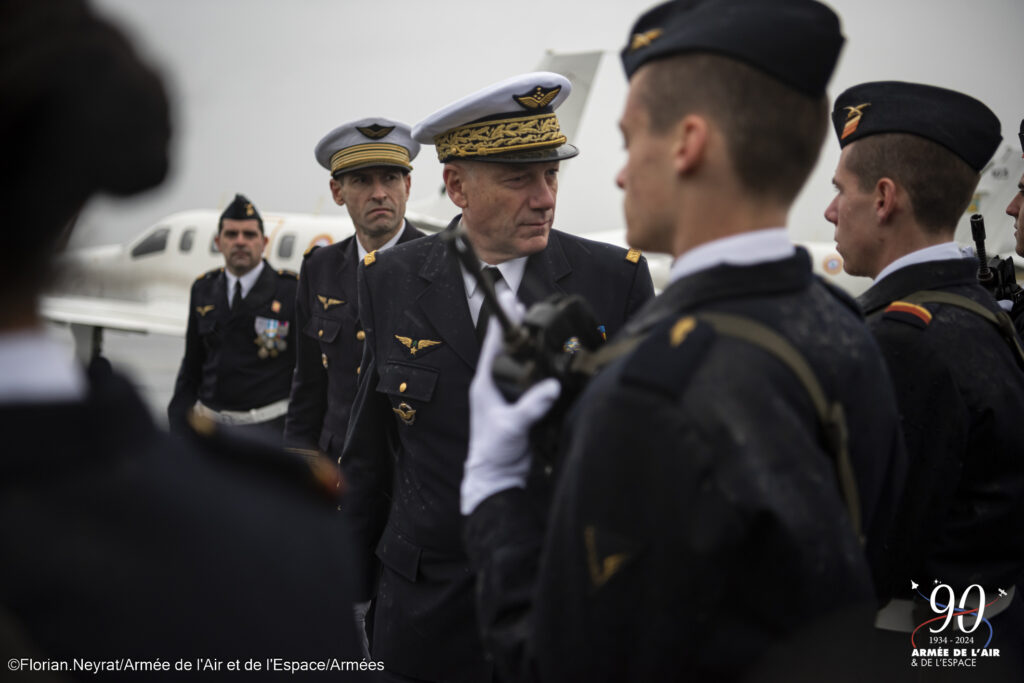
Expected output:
{"points": [[745, 249], [248, 280]]}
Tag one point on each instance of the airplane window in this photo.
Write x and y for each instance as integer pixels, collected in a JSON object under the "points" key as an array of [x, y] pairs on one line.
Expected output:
{"points": [[287, 246], [154, 243], [185, 245], [213, 245]]}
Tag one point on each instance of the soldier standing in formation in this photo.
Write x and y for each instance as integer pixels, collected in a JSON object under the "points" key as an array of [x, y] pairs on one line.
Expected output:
{"points": [[120, 541], [722, 474], [911, 158], [240, 342]]}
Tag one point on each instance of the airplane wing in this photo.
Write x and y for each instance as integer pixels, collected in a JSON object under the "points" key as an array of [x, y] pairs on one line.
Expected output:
{"points": [[162, 317]]}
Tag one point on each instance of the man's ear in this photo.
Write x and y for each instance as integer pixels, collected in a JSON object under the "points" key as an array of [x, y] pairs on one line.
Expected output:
{"points": [[689, 143], [454, 183], [339, 197], [886, 199]]}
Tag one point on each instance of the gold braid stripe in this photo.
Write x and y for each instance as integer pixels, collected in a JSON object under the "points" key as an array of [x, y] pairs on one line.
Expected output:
{"points": [[382, 152], [503, 135]]}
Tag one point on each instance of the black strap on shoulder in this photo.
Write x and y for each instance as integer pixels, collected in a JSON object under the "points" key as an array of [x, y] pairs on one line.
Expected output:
{"points": [[1002, 321], [831, 415]]}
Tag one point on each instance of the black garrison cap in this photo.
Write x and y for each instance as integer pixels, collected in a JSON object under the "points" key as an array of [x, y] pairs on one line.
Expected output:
{"points": [[241, 209], [958, 122], [795, 41]]}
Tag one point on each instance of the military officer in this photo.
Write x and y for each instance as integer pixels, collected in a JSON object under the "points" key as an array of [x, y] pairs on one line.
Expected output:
{"points": [[240, 342], [369, 161], [723, 470], [911, 158], [122, 542], [501, 148]]}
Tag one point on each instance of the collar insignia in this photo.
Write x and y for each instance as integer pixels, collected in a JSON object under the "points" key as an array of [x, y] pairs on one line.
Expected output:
{"points": [[416, 345], [376, 131], [537, 98], [681, 330], [853, 115], [600, 569], [406, 412], [203, 310], [644, 39], [328, 302]]}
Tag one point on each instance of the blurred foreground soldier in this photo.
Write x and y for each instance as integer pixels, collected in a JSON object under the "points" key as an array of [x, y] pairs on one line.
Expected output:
{"points": [[720, 472], [911, 159], [501, 148], [240, 343], [121, 541], [369, 161], [1015, 210]]}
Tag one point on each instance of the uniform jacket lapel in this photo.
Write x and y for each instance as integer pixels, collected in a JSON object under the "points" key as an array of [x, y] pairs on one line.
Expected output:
{"points": [[543, 271], [260, 293], [443, 300]]}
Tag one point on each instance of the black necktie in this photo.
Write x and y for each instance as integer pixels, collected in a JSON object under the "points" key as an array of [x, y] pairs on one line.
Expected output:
{"points": [[237, 296], [492, 275]]}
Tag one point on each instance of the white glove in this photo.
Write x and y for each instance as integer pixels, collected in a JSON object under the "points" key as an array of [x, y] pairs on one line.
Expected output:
{"points": [[499, 454]]}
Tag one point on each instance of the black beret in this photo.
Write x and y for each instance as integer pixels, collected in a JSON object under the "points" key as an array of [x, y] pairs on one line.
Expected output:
{"points": [[241, 209], [958, 122], [795, 41]]}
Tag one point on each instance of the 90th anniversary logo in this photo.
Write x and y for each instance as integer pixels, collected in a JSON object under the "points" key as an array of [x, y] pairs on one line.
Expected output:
{"points": [[954, 638]]}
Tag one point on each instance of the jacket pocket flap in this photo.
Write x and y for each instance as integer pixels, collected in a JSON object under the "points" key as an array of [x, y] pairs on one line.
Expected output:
{"points": [[408, 381], [322, 328]]}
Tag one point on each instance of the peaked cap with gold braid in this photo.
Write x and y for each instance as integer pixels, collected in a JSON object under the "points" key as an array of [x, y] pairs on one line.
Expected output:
{"points": [[365, 143], [509, 122]]}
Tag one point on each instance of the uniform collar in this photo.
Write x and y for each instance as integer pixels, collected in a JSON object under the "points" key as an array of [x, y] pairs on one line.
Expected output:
{"points": [[390, 243], [757, 246], [35, 369], [947, 251], [248, 280]]}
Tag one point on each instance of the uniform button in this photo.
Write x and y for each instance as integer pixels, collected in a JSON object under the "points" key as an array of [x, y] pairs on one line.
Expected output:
{"points": [[339, 461], [402, 387], [360, 335], [320, 333], [358, 369]]}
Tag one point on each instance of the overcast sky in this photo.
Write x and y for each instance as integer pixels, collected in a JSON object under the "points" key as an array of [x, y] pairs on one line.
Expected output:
{"points": [[256, 83]]}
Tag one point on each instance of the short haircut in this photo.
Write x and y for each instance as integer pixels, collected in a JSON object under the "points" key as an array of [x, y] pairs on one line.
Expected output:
{"points": [[940, 184], [773, 133]]}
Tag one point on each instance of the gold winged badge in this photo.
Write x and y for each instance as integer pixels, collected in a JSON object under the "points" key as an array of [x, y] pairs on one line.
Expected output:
{"points": [[416, 345], [538, 97], [327, 302], [203, 310]]}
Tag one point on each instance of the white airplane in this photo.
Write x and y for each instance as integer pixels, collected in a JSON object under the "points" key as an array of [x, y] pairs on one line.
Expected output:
{"points": [[143, 285]]}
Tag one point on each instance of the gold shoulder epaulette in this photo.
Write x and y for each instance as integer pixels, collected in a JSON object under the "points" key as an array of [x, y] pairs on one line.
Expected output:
{"points": [[310, 249], [370, 258], [633, 255], [288, 273], [210, 273]]}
